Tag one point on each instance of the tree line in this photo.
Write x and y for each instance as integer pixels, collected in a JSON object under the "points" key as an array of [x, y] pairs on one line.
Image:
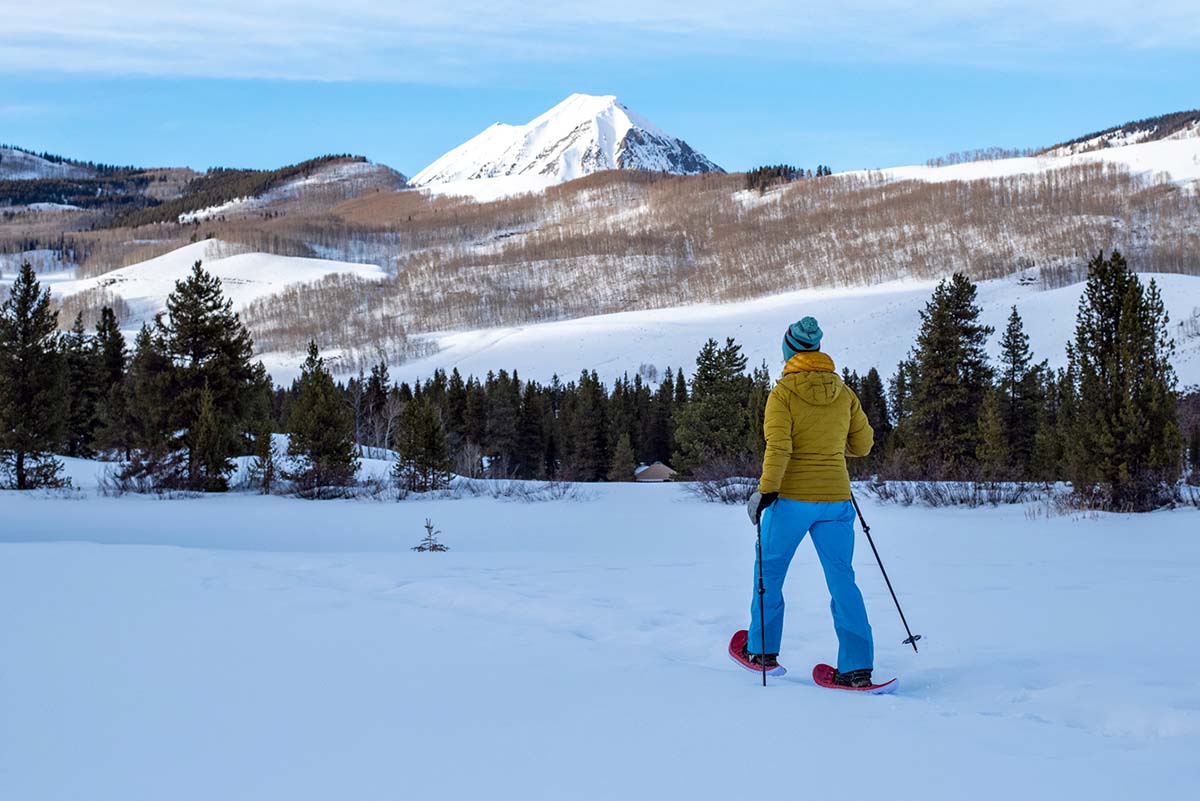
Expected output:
{"points": [[760, 179], [174, 409]]}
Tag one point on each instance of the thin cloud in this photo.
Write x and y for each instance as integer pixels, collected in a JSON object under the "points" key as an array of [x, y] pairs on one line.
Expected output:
{"points": [[457, 40]]}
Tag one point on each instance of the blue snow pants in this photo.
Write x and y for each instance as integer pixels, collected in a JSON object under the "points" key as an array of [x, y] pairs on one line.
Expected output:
{"points": [[784, 525]]}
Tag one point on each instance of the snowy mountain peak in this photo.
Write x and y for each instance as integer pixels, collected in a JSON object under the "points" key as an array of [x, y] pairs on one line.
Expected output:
{"points": [[581, 135]]}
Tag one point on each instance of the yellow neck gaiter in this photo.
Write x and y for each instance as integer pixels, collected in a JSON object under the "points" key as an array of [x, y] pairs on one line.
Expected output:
{"points": [[809, 361]]}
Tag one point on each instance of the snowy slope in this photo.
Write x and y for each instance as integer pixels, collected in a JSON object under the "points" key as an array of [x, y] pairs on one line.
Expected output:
{"points": [[1178, 159], [864, 327], [350, 176], [244, 648], [581, 135], [245, 276], [17, 165]]}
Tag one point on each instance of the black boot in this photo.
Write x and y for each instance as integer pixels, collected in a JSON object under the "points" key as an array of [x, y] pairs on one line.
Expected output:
{"points": [[853, 678], [771, 660]]}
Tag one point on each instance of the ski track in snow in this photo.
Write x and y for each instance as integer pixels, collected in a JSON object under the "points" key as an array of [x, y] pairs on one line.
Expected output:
{"points": [[243, 647]]}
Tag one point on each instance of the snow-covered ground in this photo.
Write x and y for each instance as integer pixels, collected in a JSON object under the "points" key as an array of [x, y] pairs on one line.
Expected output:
{"points": [[864, 327], [248, 647], [1179, 159], [245, 277]]}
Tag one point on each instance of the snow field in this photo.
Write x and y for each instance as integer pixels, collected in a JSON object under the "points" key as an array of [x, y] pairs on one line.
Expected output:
{"points": [[864, 327], [249, 647]]}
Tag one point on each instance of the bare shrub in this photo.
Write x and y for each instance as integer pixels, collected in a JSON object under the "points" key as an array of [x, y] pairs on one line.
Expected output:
{"points": [[971, 494]]}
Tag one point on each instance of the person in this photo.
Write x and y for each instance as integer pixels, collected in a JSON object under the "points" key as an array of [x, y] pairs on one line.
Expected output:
{"points": [[813, 421]]}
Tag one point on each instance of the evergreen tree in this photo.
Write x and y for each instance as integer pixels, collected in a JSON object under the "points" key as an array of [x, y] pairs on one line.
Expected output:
{"points": [[1047, 462], [588, 430], [264, 469], [756, 410], [321, 429], [623, 461], [32, 386], [949, 378], [1125, 445], [140, 423], [208, 345], [423, 460], [209, 461], [82, 390], [873, 398], [661, 435], [1019, 386], [531, 434], [993, 449], [715, 423]]}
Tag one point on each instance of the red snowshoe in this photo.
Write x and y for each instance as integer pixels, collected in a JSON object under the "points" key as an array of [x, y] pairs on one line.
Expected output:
{"points": [[739, 654], [823, 676]]}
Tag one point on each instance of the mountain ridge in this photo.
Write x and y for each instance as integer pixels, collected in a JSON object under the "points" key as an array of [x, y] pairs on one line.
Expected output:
{"points": [[579, 136]]}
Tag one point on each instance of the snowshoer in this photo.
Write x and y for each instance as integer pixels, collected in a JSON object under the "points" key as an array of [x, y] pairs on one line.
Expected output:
{"points": [[813, 421]]}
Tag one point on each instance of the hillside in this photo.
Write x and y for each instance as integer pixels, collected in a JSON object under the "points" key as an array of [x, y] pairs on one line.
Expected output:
{"points": [[1179, 125], [864, 327]]}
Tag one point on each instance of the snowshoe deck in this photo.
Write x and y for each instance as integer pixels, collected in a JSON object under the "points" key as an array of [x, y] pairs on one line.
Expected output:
{"points": [[823, 677], [735, 653]]}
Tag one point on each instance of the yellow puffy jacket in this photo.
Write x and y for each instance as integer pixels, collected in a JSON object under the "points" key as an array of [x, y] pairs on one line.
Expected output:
{"points": [[812, 423]]}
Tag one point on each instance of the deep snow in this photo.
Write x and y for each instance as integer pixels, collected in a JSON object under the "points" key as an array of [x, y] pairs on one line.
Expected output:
{"points": [[243, 647]]}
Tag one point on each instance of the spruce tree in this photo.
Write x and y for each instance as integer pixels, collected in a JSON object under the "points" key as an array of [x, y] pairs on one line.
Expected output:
{"points": [[264, 468], [949, 377], [422, 458], [589, 430], [209, 346], [623, 461], [1020, 397], [1125, 441], [321, 434], [82, 389], [33, 402], [531, 434], [714, 424], [209, 460], [992, 450], [138, 422]]}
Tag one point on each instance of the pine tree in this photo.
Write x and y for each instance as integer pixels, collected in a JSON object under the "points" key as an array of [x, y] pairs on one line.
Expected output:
{"points": [[423, 460], [82, 390], [589, 430], [321, 428], [209, 461], [140, 423], [623, 461], [32, 386], [873, 398], [264, 469], [209, 346], [531, 434], [714, 424], [661, 435], [949, 378], [993, 449], [1047, 462], [1125, 439], [1019, 386]]}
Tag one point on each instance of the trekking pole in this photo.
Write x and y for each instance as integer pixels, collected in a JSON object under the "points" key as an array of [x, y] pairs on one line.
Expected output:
{"points": [[762, 621], [912, 638]]}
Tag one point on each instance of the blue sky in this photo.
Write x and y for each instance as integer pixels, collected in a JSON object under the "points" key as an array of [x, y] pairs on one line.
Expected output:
{"points": [[872, 83]]}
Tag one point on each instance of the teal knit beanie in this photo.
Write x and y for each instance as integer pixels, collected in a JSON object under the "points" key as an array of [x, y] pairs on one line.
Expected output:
{"points": [[802, 336]]}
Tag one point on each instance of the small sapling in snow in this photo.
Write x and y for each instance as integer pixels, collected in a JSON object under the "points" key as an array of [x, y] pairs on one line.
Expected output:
{"points": [[430, 543]]}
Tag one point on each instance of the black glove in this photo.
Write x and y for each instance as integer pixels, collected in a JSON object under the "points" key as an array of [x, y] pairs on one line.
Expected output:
{"points": [[758, 502]]}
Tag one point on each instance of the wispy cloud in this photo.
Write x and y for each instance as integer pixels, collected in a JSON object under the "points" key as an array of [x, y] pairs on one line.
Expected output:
{"points": [[462, 40]]}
